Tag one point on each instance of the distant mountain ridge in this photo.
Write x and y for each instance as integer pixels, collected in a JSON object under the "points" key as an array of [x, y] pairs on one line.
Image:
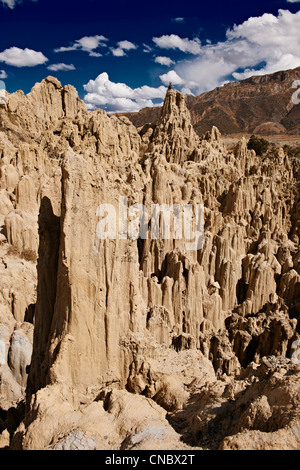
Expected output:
{"points": [[259, 104]]}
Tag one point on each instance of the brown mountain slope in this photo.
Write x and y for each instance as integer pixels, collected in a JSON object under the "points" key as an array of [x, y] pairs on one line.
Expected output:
{"points": [[260, 104]]}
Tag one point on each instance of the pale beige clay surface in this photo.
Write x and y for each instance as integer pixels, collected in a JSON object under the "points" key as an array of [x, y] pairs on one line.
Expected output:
{"points": [[143, 344]]}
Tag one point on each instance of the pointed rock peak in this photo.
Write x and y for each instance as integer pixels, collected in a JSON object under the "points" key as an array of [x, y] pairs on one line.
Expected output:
{"points": [[174, 136], [241, 147], [174, 105], [213, 136]]}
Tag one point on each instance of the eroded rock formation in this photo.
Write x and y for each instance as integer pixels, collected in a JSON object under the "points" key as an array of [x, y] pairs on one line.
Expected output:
{"points": [[143, 334], [257, 105]]}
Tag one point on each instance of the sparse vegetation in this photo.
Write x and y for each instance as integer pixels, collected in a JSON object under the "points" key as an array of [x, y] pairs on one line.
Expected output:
{"points": [[272, 152], [292, 151], [258, 144]]}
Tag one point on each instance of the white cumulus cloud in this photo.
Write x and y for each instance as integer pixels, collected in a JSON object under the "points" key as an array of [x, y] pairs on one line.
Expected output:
{"points": [[89, 43], [22, 57], [118, 52], [119, 97], [172, 41], [86, 44], [164, 61], [126, 45], [258, 46], [122, 47], [61, 67], [3, 74], [171, 76]]}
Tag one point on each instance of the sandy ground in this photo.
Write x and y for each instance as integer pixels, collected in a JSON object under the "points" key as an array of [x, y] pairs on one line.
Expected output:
{"points": [[279, 140]]}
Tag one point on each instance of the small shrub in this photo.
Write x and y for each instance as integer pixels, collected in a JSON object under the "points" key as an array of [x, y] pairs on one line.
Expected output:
{"points": [[291, 151], [259, 145], [273, 153]]}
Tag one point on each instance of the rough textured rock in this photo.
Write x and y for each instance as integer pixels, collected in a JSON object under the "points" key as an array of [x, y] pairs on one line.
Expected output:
{"points": [[253, 411], [142, 342]]}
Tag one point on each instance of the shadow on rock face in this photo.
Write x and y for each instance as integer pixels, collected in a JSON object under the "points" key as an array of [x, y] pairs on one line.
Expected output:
{"points": [[47, 266]]}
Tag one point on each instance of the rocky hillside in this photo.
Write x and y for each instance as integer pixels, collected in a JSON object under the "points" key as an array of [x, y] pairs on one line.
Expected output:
{"points": [[260, 105], [141, 342]]}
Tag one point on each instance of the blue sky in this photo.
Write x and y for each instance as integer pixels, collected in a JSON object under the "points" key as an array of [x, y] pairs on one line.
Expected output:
{"points": [[121, 54]]}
